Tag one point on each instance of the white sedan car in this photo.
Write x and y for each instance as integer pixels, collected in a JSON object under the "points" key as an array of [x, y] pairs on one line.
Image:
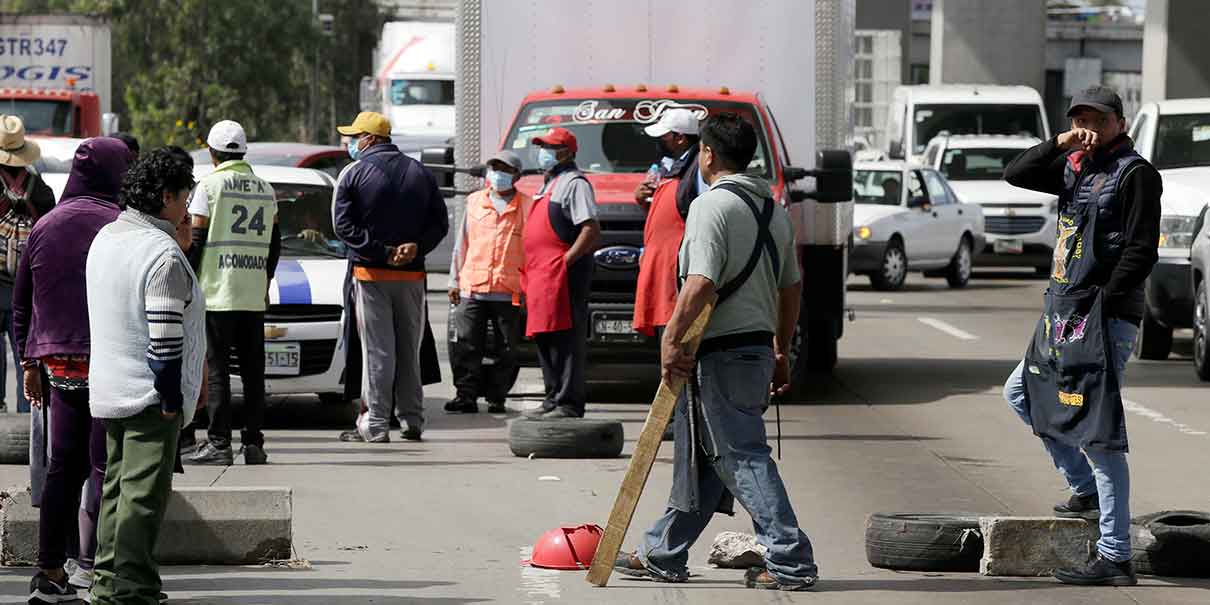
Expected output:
{"points": [[304, 352], [906, 217]]}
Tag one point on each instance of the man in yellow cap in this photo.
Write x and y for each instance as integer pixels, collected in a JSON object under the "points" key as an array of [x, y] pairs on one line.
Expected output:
{"points": [[390, 214]]}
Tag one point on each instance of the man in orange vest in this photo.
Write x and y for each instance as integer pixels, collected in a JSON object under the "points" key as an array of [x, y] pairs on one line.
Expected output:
{"points": [[667, 202], [485, 284]]}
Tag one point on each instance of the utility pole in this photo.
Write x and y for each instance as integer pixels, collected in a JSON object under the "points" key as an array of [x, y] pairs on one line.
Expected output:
{"points": [[312, 109]]}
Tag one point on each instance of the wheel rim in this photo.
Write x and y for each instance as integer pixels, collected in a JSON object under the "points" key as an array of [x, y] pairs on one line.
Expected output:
{"points": [[964, 261], [1199, 329], [894, 265]]}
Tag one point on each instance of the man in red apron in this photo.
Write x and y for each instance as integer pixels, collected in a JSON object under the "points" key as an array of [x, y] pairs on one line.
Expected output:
{"points": [[560, 234], [1068, 388], [667, 201]]}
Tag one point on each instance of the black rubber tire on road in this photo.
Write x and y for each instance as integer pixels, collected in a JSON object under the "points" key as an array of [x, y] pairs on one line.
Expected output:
{"points": [[1155, 339], [565, 438], [1172, 543], [924, 541], [958, 273], [1201, 333], [14, 438], [892, 269]]}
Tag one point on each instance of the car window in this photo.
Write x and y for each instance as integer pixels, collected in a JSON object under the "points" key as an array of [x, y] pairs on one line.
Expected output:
{"points": [[304, 214], [883, 187], [936, 188], [916, 193], [977, 164]]}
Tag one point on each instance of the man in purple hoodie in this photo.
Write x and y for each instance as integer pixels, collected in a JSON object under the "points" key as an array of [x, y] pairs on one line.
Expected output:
{"points": [[50, 319]]}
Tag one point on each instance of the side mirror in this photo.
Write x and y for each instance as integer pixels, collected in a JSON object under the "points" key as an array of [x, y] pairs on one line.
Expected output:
{"points": [[794, 173], [110, 124], [918, 202], [833, 177], [441, 161], [895, 150]]}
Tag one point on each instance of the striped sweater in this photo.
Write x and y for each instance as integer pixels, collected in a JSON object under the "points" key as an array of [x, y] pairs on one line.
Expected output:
{"points": [[146, 320]]}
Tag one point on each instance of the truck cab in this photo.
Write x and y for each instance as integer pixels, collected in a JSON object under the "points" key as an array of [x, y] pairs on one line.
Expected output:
{"points": [[920, 113], [415, 78], [615, 154], [1173, 135], [55, 112]]}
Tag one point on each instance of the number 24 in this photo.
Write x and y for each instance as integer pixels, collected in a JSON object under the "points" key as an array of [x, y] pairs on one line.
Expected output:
{"points": [[257, 223]]}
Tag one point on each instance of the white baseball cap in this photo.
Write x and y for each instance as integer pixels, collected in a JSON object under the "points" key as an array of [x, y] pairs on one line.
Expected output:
{"points": [[674, 120], [227, 136]]}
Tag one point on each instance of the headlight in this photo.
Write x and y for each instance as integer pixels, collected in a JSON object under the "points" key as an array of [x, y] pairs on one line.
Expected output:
{"points": [[1177, 231], [863, 233]]}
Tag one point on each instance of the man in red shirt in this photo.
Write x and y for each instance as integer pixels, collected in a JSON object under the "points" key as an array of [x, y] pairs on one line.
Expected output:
{"points": [[667, 202]]}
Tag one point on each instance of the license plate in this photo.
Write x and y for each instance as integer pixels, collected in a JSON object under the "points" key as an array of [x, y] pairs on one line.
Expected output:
{"points": [[1008, 246], [283, 359], [614, 328]]}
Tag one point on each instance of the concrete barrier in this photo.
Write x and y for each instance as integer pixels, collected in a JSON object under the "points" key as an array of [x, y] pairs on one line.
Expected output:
{"points": [[203, 525], [1035, 546]]}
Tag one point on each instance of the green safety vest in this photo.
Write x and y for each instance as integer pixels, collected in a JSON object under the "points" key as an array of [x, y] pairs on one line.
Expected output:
{"points": [[233, 274]]}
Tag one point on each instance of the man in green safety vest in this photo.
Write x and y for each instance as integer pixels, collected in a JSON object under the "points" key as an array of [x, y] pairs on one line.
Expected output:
{"points": [[236, 244]]}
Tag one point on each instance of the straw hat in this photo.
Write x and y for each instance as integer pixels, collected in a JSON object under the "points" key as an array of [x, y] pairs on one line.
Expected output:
{"points": [[15, 150]]}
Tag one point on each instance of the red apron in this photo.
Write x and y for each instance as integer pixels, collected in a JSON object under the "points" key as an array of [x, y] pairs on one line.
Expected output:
{"points": [[547, 293], [655, 294]]}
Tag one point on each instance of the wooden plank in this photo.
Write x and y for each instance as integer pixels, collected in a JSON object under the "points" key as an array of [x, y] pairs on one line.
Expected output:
{"points": [[645, 451]]}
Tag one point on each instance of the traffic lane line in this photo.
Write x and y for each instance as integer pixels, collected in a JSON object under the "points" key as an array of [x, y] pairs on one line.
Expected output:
{"points": [[947, 328], [1158, 417]]}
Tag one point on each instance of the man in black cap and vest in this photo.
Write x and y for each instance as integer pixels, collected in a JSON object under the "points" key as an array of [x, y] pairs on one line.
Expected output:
{"points": [[1068, 387]]}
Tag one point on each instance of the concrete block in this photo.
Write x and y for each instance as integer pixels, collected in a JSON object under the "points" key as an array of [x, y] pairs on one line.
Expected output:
{"points": [[203, 525], [1035, 546], [735, 550]]}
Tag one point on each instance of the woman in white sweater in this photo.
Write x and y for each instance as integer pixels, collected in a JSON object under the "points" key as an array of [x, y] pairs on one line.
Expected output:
{"points": [[146, 317]]}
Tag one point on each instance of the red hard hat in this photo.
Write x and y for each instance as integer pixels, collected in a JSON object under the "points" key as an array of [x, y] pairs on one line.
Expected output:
{"points": [[567, 548]]}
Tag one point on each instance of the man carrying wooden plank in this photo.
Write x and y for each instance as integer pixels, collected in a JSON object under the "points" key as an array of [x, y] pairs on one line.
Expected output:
{"points": [[721, 448]]}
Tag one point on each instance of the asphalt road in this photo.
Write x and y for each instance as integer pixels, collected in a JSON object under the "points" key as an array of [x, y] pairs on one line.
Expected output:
{"points": [[911, 420]]}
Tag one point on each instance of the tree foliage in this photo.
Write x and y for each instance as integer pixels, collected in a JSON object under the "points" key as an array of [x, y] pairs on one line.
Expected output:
{"points": [[181, 65]]}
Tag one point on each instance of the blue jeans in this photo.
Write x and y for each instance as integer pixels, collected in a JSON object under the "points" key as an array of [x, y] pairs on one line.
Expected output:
{"points": [[6, 331], [734, 396], [1109, 475]]}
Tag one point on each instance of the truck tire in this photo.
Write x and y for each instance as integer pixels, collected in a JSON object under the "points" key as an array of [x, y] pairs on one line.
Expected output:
{"points": [[892, 269], [1201, 334], [958, 274], [1155, 339], [1171, 543], [924, 542], [14, 438], [565, 438]]}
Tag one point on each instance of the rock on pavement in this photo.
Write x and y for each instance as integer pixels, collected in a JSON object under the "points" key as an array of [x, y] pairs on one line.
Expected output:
{"points": [[736, 550]]}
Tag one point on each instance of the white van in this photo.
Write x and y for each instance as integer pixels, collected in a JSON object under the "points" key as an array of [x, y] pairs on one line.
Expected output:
{"points": [[920, 113]]}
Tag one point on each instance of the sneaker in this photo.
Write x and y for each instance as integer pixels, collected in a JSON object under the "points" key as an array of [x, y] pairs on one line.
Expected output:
{"points": [[162, 598], [383, 438], [353, 435], [212, 455], [458, 405], [759, 577], [560, 412], [79, 578], [536, 413], [43, 590], [70, 567], [496, 407], [255, 454], [629, 564], [1080, 507], [1100, 572], [410, 434]]}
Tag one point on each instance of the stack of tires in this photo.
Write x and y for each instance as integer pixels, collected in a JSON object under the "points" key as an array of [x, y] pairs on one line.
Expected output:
{"points": [[924, 541], [565, 438], [1172, 543]]}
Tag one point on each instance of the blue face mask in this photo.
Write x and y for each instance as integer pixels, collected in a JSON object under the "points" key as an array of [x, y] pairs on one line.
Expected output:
{"points": [[499, 180], [354, 152], [547, 158]]}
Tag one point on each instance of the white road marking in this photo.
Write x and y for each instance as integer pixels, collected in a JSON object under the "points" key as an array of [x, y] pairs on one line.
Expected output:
{"points": [[1154, 416], [948, 329]]}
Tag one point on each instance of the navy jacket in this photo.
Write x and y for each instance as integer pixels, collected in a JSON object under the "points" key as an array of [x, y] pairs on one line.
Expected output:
{"points": [[387, 199]]}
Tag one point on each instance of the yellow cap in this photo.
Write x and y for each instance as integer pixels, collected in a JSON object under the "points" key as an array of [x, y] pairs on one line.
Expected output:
{"points": [[367, 122]]}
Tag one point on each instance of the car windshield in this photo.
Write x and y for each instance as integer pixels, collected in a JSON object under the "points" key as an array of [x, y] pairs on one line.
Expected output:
{"points": [[877, 187], [304, 215], [1182, 140], [610, 131], [977, 164], [422, 92], [975, 118], [52, 118]]}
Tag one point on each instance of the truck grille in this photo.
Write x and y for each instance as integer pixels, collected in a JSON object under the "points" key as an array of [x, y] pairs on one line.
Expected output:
{"points": [[315, 357], [621, 225], [302, 313], [1014, 225]]}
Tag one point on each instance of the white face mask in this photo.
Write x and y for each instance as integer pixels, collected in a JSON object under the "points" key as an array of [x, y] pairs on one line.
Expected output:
{"points": [[499, 180]]}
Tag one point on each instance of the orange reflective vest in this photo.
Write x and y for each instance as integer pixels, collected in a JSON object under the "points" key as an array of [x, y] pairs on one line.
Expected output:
{"points": [[494, 254], [655, 295]]}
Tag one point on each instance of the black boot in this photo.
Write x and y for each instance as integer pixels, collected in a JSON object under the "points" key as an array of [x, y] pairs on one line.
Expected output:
{"points": [[1080, 507], [1100, 572]]}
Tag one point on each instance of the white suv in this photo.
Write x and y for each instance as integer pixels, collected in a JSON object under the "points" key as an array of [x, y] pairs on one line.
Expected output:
{"points": [[1019, 223]]}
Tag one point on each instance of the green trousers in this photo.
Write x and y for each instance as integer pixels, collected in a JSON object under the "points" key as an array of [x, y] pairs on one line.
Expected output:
{"points": [[138, 480]]}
